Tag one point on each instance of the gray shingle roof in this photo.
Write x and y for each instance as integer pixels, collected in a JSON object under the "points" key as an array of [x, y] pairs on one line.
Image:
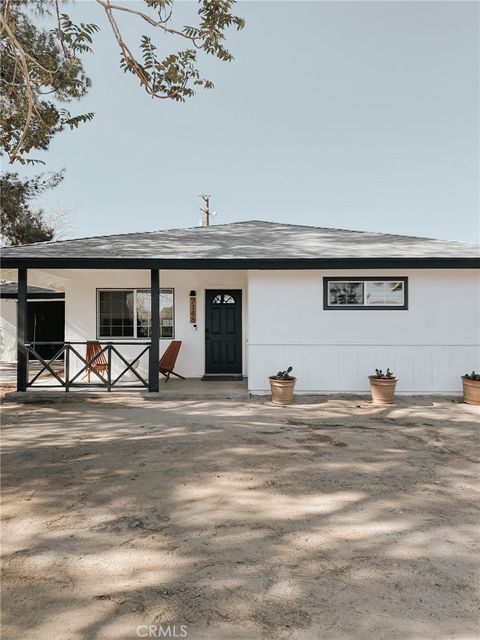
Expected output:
{"points": [[248, 240]]}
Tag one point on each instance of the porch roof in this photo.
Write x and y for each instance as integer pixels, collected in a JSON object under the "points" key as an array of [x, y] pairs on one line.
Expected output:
{"points": [[9, 290], [249, 244]]}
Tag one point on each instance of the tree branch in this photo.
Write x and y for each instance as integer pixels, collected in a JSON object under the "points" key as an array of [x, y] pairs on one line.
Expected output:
{"points": [[22, 57], [29, 122], [151, 21]]}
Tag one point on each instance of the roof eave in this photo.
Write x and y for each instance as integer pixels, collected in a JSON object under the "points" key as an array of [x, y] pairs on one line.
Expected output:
{"points": [[433, 262], [34, 296]]}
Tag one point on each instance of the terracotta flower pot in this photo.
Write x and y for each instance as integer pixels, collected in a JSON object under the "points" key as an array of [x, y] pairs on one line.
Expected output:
{"points": [[471, 391], [383, 389], [282, 390]]}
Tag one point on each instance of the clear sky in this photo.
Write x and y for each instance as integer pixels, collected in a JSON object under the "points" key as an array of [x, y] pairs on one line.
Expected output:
{"points": [[360, 115]]}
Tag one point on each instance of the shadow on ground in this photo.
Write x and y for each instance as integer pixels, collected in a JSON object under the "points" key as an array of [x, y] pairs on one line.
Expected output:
{"points": [[240, 520]]}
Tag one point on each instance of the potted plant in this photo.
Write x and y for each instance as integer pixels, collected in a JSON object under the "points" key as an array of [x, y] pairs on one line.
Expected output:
{"points": [[383, 386], [282, 386], [471, 388]]}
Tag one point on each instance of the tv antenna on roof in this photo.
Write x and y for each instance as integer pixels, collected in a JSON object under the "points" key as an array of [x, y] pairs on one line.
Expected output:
{"points": [[207, 214]]}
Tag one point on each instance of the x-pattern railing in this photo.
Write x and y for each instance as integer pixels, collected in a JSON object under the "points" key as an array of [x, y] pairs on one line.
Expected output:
{"points": [[67, 349]]}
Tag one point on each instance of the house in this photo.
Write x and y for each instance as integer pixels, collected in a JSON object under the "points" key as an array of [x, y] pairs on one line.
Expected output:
{"points": [[249, 298]]}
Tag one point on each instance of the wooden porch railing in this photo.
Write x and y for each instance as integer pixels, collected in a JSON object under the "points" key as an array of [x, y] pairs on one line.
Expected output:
{"points": [[69, 350]]}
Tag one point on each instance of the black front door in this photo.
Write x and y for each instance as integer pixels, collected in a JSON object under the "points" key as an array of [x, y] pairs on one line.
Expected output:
{"points": [[45, 323], [223, 331]]}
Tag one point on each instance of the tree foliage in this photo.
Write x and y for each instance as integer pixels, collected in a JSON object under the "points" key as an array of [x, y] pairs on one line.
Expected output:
{"points": [[42, 67], [21, 223], [37, 76]]}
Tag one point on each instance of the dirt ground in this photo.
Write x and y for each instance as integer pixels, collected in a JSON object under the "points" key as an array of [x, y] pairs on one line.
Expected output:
{"points": [[240, 520]]}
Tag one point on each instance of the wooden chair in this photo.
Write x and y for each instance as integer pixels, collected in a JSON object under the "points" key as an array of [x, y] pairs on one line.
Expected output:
{"points": [[167, 361], [99, 363]]}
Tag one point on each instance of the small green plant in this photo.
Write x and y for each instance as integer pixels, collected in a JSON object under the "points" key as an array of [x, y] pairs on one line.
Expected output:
{"points": [[283, 375], [383, 376], [473, 376]]}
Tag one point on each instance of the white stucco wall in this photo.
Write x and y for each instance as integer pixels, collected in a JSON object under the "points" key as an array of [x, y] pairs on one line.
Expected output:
{"points": [[8, 330], [428, 346]]}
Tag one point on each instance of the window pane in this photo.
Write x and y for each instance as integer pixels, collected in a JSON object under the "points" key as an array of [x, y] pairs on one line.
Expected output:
{"points": [[166, 313], [385, 293], [345, 293], [223, 298], [143, 314], [116, 314], [375, 292], [394, 294], [105, 328]]}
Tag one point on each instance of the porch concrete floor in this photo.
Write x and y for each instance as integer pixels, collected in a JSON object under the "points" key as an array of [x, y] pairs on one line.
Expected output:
{"points": [[174, 389], [240, 520], [190, 389]]}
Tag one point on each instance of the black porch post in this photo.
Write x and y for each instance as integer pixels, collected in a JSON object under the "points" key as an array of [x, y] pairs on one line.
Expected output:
{"points": [[22, 331], [154, 357]]}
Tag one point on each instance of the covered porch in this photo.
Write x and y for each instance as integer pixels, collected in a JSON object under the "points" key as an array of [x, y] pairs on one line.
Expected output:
{"points": [[72, 362], [134, 317]]}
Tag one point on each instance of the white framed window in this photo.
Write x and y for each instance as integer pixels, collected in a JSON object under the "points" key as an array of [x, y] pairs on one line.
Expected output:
{"points": [[125, 313], [365, 293]]}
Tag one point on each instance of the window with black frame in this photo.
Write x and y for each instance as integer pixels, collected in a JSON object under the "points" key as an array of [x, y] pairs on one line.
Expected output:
{"points": [[115, 316], [365, 293], [125, 313]]}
